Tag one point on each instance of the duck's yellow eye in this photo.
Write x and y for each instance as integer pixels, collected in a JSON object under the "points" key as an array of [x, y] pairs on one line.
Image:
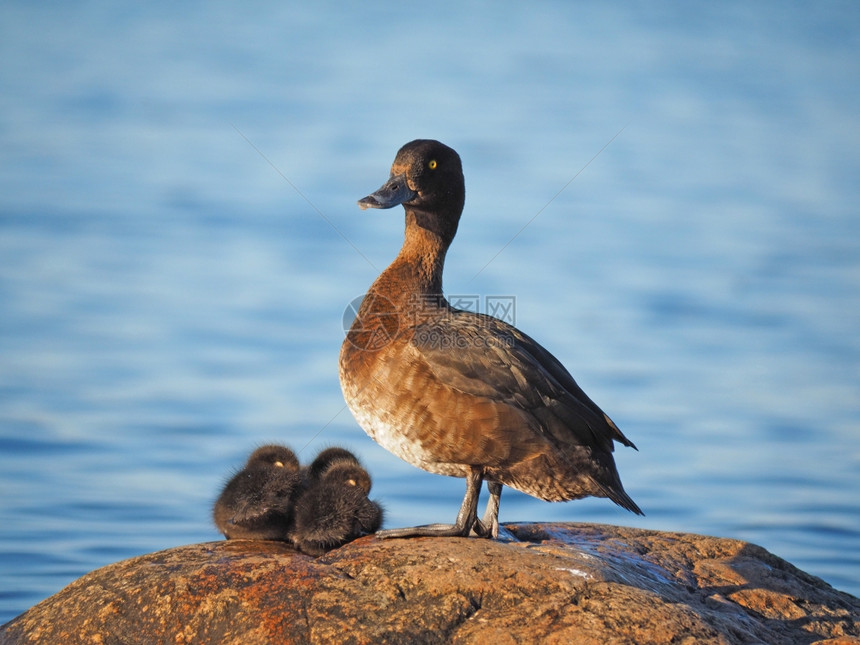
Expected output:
{"points": [[432, 164]]}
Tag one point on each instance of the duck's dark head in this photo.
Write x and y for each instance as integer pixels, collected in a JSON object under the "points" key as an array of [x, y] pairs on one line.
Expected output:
{"points": [[328, 457], [275, 456], [427, 178], [349, 474]]}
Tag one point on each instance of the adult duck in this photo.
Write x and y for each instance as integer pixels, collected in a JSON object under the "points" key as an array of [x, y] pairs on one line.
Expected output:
{"points": [[460, 393]]}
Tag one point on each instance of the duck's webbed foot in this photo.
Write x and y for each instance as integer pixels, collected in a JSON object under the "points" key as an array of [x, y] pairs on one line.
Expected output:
{"points": [[467, 518], [426, 530]]}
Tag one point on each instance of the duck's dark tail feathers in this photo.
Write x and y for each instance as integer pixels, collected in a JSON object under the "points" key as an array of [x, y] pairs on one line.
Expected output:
{"points": [[624, 501], [620, 497]]}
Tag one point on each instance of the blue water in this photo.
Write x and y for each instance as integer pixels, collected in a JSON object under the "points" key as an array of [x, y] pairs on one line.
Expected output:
{"points": [[179, 240]]}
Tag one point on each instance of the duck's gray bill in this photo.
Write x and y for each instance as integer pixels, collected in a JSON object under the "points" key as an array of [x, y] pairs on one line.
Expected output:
{"points": [[393, 192]]}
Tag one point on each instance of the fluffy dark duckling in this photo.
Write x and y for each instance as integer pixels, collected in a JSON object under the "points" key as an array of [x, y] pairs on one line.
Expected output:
{"points": [[459, 393], [257, 502], [334, 508], [333, 456]]}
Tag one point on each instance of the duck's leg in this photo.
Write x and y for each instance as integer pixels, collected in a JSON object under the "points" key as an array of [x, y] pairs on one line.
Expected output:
{"points": [[466, 518], [489, 526]]}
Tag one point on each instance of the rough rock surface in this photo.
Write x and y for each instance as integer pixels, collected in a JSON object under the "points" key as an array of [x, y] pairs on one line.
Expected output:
{"points": [[556, 583]]}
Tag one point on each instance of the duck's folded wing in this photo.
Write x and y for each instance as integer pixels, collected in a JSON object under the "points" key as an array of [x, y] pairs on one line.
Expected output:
{"points": [[485, 357]]}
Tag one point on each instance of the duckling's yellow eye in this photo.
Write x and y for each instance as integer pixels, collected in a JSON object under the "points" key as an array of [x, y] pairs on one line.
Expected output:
{"points": [[432, 164]]}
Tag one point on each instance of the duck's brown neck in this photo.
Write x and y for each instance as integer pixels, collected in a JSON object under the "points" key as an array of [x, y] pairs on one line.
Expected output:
{"points": [[417, 269]]}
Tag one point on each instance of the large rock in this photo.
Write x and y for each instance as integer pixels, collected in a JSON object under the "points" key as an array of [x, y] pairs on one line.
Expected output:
{"points": [[557, 583]]}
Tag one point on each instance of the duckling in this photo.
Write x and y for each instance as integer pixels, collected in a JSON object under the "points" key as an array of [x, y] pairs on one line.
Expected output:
{"points": [[257, 502], [460, 393], [333, 456], [334, 508]]}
